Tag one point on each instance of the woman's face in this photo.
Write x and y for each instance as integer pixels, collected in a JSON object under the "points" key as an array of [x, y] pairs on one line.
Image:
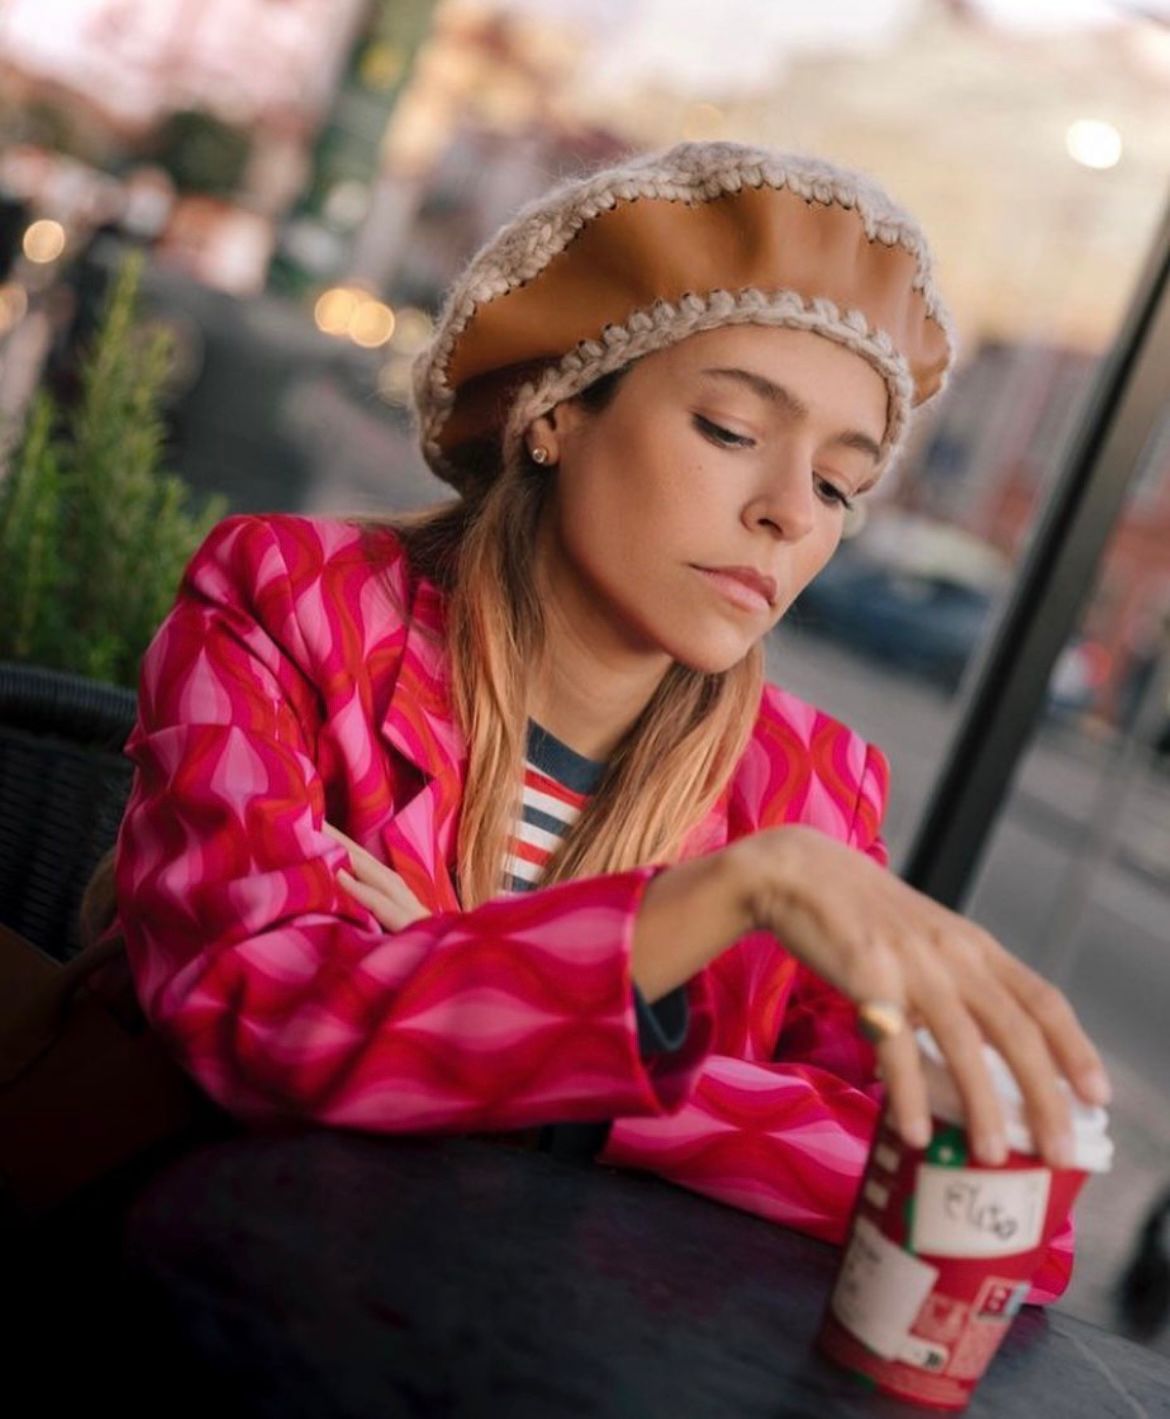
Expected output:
{"points": [[731, 448]]}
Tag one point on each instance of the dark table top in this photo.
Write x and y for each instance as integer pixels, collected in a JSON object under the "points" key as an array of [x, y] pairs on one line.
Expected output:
{"points": [[329, 1273]]}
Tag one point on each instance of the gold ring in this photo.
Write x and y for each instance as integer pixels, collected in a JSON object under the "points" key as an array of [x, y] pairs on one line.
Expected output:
{"points": [[880, 1020]]}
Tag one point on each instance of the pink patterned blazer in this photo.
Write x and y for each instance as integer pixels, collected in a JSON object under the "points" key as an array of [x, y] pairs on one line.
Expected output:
{"points": [[285, 687]]}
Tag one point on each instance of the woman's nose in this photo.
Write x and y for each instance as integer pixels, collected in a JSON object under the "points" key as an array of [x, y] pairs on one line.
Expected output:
{"points": [[788, 503]]}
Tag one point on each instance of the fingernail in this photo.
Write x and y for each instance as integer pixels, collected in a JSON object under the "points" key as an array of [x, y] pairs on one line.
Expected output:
{"points": [[1096, 1086], [991, 1149], [1062, 1151], [918, 1132]]}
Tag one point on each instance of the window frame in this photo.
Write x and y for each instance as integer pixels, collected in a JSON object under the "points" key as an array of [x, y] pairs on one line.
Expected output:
{"points": [[1002, 695]]}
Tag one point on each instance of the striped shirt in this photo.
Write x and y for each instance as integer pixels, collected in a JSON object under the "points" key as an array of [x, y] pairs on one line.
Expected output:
{"points": [[557, 784]]}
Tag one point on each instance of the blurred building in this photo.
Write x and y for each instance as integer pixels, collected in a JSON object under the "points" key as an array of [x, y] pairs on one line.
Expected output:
{"points": [[358, 151], [341, 202], [985, 460], [478, 129], [225, 95], [127, 64], [984, 128]]}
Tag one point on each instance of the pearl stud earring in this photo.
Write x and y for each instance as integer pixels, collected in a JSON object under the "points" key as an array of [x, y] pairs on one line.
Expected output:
{"points": [[540, 454]]}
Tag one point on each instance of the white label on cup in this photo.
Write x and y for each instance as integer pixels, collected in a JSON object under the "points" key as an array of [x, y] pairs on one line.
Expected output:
{"points": [[880, 1289], [925, 1354], [965, 1212]]}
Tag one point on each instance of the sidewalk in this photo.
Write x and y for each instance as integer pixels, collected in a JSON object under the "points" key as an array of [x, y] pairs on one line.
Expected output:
{"points": [[1065, 773]]}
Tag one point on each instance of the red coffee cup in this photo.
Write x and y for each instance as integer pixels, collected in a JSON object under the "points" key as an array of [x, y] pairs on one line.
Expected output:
{"points": [[942, 1250]]}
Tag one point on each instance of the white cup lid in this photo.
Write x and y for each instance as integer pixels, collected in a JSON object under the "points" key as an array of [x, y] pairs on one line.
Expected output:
{"points": [[1090, 1122]]}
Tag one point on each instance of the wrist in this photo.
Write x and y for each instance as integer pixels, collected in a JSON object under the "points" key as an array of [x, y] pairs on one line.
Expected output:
{"points": [[760, 865], [689, 914]]}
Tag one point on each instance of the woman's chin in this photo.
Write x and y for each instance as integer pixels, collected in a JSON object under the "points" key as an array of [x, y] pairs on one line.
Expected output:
{"points": [[714, 656]]}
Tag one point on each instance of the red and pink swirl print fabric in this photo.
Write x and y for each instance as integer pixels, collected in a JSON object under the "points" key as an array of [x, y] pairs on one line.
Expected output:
{"points": [[298, 679]]}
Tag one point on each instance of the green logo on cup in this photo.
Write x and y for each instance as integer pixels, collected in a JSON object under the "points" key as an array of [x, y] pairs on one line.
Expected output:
{"points": [[948, 1148]]}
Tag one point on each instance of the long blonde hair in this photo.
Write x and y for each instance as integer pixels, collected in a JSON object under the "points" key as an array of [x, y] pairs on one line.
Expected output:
{"points": [[673, 763], [664, 776]]}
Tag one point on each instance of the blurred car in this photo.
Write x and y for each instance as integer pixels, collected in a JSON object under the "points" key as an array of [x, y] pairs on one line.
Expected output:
{"points": [[920, 623], [928, 621]]}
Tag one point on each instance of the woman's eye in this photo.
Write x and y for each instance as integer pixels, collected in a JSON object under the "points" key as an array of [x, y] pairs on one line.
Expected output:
{"points": [[833, 494], [725, 438], [718, 434]]}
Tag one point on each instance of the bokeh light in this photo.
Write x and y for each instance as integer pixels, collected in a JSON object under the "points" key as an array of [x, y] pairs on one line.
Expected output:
{"points": [[394, 381], [356, 313], [412, 329], [371, 325], [1093, 144], [335, 309], [44, 241]]}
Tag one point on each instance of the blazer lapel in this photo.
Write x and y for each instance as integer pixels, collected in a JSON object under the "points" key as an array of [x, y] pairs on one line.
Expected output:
{"points": [[419, 838]]}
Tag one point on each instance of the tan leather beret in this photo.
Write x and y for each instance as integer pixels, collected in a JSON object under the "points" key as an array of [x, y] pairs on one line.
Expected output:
{"points": [[610, 266]]}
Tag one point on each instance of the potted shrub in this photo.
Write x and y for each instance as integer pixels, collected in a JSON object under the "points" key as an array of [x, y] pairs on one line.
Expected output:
{"points": [[94, 537], [94, 534]]}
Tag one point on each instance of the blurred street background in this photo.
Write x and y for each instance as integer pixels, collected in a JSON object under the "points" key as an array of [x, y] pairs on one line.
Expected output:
{"points": [[303, 178]]}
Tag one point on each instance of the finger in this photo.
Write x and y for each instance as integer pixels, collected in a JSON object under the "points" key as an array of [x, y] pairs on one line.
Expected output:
{"points": [[878, 975], [901, 1068], [1023, 1046], [383, 879], [961, 1043], [1072, 1049], [366, 865], [356, 851], [399, 898], [392, 915], [403, 904]]}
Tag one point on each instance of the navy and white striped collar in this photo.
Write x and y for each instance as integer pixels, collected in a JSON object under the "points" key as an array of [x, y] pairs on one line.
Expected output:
{"points": [[554, 758]]}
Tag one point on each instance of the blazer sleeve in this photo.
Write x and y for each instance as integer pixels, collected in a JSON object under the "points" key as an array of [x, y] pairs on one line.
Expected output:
{"points": [[788, 1136], [278, 992], [782, 1130]]}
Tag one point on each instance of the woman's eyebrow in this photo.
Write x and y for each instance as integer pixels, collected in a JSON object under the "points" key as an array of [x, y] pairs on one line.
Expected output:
{"points": [[793, 407]]}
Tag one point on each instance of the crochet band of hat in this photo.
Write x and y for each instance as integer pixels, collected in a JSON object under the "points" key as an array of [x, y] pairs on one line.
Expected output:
{"points": [[608, 267]]}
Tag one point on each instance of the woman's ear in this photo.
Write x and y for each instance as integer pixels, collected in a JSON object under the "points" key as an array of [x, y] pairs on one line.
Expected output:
{"points": [[550, 430], [545, 433]]}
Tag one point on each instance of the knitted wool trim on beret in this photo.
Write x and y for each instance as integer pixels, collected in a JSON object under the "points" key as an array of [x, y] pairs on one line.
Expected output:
{"points": [[663, 323], [693, 174]]}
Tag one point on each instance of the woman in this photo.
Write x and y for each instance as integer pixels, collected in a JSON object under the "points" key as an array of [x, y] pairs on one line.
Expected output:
{"points": [[485, 819]]}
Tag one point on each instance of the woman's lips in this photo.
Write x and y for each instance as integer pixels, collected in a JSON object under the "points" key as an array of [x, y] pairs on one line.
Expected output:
{"points": [[736, 591]]}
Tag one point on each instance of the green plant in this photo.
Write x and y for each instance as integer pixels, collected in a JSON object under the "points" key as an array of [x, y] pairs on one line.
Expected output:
{"points": [[94, 535]]}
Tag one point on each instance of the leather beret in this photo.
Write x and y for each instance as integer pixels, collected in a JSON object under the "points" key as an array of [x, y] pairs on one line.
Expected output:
{"points": [[609, 266]]}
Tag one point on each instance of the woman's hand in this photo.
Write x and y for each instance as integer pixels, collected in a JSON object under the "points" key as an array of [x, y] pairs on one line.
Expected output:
{"points": [[377, 886], [874, 937]]}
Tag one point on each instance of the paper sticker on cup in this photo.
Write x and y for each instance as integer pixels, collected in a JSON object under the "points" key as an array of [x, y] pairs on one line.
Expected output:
{"points": [[965, 1212], [880, 1289]]}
